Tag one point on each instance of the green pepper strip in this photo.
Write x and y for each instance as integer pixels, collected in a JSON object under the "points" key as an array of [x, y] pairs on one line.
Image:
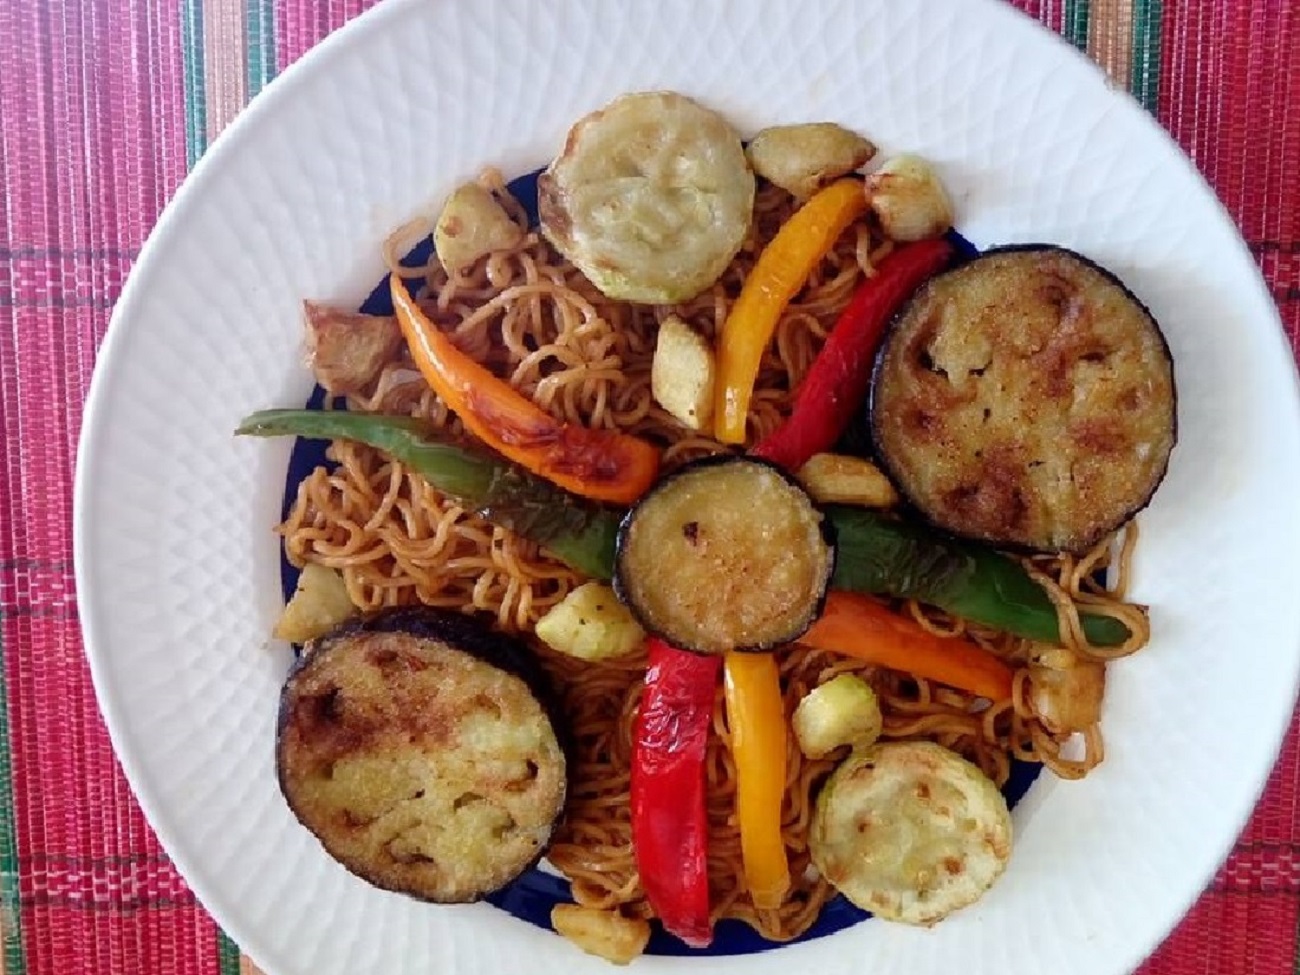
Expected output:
{"points": [[887, 557], [576, 532], [875, 553]]}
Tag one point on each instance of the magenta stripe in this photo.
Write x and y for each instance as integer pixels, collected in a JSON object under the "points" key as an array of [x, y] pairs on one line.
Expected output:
{"points": [[300, 24]]}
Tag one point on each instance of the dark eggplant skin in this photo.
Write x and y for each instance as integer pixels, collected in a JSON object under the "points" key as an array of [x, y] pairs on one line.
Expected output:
{"points": [[872, 409], [826, 529], [460, 630], [468, 634]]}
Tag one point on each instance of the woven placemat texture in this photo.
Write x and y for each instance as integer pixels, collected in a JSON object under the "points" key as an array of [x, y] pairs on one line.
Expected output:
{"points": [[105, 104]]}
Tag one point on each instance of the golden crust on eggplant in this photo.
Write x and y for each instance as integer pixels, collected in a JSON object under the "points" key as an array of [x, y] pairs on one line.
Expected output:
{"points": [[1025, 399], [418, 762]]}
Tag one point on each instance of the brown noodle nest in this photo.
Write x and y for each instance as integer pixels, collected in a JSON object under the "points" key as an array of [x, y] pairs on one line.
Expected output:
{"points": [[534, 319]]}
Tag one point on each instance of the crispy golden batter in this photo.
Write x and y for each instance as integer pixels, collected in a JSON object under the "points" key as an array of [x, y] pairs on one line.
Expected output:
{"points": [[420, 766], [1026, 399]]}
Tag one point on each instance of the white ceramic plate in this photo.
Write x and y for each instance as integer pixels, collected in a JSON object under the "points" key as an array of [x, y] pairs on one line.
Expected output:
{"points": [[177, 569]]}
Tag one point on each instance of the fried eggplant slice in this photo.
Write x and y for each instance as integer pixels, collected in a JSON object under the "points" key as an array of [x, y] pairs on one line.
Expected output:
{"points": [[419, 748], [1025, 399], [726, 553]]}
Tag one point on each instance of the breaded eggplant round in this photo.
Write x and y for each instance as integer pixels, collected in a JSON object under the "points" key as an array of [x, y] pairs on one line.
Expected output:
{"points": [[726, 553], [418, 746], [1025, 399], [651, 197]]}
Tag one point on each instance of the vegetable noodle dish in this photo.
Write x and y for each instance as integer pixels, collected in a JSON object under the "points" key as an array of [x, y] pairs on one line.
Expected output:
{"points": [[723, 538]]}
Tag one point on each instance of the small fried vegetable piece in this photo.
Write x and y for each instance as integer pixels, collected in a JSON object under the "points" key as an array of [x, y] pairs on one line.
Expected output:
{"points": [[471, 225], [801, 159], [909, 200], [319, 603], [1065, 690], [682, 374], [346, 350], [590, 624], [651, 197], [841, 479], [843, 711], [910, 831], [605, 934]]}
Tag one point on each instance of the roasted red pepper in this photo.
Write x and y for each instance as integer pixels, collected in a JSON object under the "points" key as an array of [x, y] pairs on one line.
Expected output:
{"points": [[669, 821], [837, 381]]}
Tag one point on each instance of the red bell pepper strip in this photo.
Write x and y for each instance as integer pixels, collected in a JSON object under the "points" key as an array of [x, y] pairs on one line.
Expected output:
{"points": [[837, 380], [669, 821]]}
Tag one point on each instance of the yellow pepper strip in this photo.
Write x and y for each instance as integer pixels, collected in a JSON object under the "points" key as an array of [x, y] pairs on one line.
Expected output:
{"points": [[756, 717], [776, 278]]}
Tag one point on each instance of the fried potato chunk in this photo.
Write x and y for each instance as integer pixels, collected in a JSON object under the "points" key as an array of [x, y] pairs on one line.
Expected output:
{"points": [[682, 374], [605, 934], [801, 159], [472, 225]]}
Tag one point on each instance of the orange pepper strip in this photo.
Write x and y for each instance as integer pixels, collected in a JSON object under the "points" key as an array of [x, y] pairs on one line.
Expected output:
{"points": [[606, 465], [756, 718], [859, 627], [776, 278]]}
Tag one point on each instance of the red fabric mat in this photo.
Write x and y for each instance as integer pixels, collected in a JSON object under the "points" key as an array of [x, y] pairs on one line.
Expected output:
{"points": [[105, 104]]}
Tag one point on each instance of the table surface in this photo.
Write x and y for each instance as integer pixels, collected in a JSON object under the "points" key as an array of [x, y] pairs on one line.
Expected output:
{"points": [[106, 104]]}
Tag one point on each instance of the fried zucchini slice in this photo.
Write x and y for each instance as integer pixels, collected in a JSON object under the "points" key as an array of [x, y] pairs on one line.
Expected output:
{"points": [[910, 831], [419, 748], [1025, 399], [651, 197], [843, 711], [726, 553]]}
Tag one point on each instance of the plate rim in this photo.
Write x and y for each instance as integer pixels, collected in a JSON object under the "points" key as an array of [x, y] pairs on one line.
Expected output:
{"points": [[283, 91]]}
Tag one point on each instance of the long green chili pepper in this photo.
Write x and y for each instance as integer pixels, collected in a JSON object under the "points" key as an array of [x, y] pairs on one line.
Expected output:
{"points": [[876, 553], [577, 532]]}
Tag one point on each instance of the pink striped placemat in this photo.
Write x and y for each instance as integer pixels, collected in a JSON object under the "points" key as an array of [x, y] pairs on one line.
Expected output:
{"points": [[106, 103]]}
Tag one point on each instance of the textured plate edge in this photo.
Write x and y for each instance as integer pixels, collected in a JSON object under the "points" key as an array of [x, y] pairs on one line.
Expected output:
{"points": [[171, 222]]}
